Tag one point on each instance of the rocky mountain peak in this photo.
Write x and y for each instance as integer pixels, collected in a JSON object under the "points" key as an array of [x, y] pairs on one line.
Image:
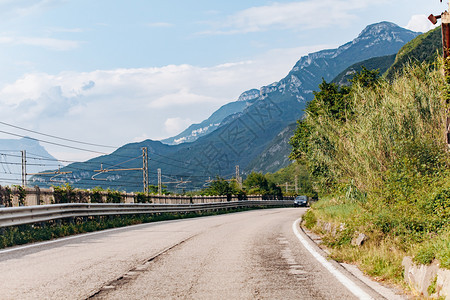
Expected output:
{"points": [[385, 31], [249, 95]]}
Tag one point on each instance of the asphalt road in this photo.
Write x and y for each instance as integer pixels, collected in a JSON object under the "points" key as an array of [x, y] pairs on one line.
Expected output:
{"points": [[248, 255]]}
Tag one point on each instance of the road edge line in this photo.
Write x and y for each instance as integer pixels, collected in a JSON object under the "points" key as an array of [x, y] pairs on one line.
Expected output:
{"points": [[348, 283]]}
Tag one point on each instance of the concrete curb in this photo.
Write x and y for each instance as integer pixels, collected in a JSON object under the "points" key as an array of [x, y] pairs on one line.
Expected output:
{"points": [[420, 277], [384, 291]]}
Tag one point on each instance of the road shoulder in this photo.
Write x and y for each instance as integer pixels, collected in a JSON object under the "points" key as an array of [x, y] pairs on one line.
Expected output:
{"points": [[351, 271]]}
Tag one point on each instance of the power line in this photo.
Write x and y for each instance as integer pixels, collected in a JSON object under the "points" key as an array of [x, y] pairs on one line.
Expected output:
{"points": [[56, 137], [52, 143]]}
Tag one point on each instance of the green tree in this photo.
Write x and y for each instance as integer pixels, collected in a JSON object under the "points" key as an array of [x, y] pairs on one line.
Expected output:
{"points": [[366, 78], [220, 186], [257, 183], [153, 189], [312, 143], [299, 141], [329, 100]]}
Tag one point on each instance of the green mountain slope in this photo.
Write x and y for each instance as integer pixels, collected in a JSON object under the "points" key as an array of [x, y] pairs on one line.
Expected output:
{"points": [[276, 155], [382, 63], [424, 48]]}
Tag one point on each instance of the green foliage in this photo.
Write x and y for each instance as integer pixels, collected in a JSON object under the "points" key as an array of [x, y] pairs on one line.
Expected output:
{"points": [[21, 194], [330, 100], [366, 78], [424, 48], [386, 165], [388, 121], [96, 195], [113, 196], [259, 184], [309, 219], [64, 194], [382, 266], [153, 189], [295, 171], [446, 86], [143, 198], [220, 186], [5, 196], [436, 248], [300, 141], [432, 287], [440, 205], [382, 63], [353, 194]]}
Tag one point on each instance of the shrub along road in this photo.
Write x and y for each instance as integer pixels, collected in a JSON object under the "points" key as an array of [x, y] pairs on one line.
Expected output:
{"points": [[247, 255]]}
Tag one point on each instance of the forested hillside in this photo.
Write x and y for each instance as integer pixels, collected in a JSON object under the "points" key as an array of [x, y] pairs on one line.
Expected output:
{"points": [[424, 48]]}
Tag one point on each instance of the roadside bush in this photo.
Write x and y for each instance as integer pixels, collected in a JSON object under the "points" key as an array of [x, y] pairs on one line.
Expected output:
{"points": [[114, 196], [436, 248], [5, 196], [309, 219], [96, 195], [440, 205], [64, 194], [142, 198]]}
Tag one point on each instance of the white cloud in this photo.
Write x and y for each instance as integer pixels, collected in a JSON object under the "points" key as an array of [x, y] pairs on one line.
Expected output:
{"points": [[20, 8], [292, 15], [181, 98], [49, 43], [420, 23], [174, 126], [123, 105]]}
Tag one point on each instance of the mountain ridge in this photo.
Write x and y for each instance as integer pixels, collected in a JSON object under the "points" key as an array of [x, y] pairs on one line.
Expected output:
{"points": [[242, 137], [11, 159]]}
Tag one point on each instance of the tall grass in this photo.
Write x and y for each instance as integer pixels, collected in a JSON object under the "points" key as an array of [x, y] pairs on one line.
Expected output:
{"points": [[387, 122], [387, 166]]}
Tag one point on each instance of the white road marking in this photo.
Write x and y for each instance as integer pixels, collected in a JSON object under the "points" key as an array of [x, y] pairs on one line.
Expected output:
{"points": [[350, 285]]}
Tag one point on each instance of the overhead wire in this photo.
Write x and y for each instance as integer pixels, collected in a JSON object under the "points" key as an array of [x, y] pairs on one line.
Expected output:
{"points": [[52, 143], [56, 137], [75, 141], [62, 145], [71, 167]]}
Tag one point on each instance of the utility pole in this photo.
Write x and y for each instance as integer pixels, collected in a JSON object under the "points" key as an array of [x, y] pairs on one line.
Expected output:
{"points": [[24, 168], [287, 188], [238, 177], [159, 182], [445, 28], [296, 184], [145, 169]]}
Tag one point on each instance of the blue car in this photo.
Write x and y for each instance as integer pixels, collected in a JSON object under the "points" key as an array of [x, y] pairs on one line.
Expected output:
{"points": [[301, 201]]}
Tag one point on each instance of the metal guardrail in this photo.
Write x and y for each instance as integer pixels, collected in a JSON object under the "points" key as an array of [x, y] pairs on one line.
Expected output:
{"points": [[12, 216]]}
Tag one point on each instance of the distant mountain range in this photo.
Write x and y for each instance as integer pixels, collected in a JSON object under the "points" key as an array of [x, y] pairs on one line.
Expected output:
{"points": [[251, 133], [38, 159], [195, 131]]}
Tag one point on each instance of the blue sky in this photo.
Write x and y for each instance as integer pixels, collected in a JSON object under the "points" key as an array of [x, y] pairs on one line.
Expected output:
{"points": [[114, 72]]}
